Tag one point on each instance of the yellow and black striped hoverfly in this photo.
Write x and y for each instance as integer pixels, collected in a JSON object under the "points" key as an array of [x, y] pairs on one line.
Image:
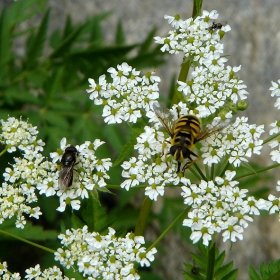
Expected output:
{"points": [[185, 132]]}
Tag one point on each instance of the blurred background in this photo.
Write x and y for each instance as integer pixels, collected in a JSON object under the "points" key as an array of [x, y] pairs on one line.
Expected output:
{"points": [[118, 31]]}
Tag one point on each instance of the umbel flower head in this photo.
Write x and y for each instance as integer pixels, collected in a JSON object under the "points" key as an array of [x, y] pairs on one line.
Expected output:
{"points": [[219, 206], [127, 95], [33, 171], [33, 273], [17, 196], [103, 256], [89, 175]]}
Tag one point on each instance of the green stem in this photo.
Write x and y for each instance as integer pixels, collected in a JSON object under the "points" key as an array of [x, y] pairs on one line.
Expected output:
{"points": [[211, 262], [27, 241], [182, 77], [200, 172], [143, 216], [270, 138], [212, 171], [195, 173], [206, 168], [169, 228], [258, 171], [197, 4], [4, 151], [225, 168]]}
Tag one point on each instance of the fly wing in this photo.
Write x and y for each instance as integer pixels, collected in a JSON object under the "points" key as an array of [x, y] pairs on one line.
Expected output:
{"points": [[66, 177], [165, 117], [208, 132]]}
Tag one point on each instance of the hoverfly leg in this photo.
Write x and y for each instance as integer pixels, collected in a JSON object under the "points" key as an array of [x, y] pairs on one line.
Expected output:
{"points": [[163, 146], [187, 166], [192, 161], [166, 161]]}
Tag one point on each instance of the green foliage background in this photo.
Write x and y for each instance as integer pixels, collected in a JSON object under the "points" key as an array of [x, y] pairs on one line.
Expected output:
{"points": [[43, 78]]}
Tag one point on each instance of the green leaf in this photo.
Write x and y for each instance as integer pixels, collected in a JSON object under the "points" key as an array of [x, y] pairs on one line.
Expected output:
{"points": [[105, 190], [21, 11], [95, 29], [231, 275], [253, 274], [120, 35], [199, 260], [68, 28], [219, 260], [222, 271], [127, 148], [5, 42], [56, 119], [270, 271], [145, 45], [76, 221], [203, 249], [66, 44], [36, 47], [94, 215]]}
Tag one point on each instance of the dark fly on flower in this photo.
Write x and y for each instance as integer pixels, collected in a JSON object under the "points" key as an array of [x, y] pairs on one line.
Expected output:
{"points": [[68, 161], [216, 26], [185, 132]]}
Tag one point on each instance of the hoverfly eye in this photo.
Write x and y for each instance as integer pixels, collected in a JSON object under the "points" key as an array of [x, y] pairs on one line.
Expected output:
{"points": [[173, 150], [185, 152]]}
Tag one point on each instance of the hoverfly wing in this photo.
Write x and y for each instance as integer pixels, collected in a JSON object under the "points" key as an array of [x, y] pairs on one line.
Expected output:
{"points": [[205, 133], [165, 117], [66, 176]]}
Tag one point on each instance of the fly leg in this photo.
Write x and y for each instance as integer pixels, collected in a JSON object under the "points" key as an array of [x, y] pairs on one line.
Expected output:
{"points": [[166, 155], [192, 161]]}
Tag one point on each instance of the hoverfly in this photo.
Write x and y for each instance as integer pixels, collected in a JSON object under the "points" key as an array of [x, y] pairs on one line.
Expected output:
{"points": [[185, 132], [68, 161]]}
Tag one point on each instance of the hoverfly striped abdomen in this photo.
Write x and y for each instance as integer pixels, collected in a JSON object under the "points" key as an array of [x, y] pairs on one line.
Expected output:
{"points": [[186, 130]]}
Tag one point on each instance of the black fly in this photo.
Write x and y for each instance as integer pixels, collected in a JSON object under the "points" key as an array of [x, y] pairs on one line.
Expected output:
{"points": [[67, 164]]}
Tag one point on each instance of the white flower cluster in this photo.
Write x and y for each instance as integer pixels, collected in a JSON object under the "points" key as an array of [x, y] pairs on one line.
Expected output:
{"points": [[219, 206], [212, 87], [275, 130], [20, 134], [89, 175], [126, 96], [20, 179], [35, 273], [103, 256], [238, 142], [33, 171], [149, 168], [194, 37]]}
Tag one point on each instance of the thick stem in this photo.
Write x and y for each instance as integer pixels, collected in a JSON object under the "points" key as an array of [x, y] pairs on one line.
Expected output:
{"points": [[197, 4], [178, 96], [143, 216], [211, 262]]}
